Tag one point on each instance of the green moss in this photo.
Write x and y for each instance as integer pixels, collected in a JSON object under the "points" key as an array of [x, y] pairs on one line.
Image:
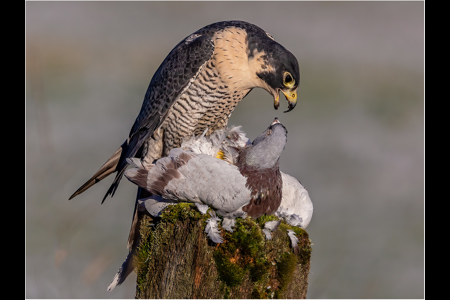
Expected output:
{"points": [[181, 211], [248, 238], [298, 231], [305, 252], [242, 252], [230, 273], [263, 219], [143, 253], [286, 267], [258, 270]]}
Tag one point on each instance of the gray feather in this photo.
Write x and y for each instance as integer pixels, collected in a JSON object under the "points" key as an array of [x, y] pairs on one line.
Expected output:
{"points": [[269, 227], [294, 241], [267, 233], [212, 228], [272, 225], [155, 204], [228, 224], [202, 208]]}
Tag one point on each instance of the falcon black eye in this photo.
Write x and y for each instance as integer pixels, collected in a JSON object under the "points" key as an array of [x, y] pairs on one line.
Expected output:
{"points": [[288, 80]]}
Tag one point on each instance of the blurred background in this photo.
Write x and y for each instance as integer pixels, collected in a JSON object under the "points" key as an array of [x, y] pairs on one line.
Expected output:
{"points": [[356, 137]]}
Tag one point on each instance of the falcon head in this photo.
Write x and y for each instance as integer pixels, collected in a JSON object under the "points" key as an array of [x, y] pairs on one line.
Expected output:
{"points": [[248, 57], [278, 70], [266, 149]]}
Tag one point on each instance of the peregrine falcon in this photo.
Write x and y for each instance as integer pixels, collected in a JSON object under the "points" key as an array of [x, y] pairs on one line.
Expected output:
{"points": [[197, 87]]}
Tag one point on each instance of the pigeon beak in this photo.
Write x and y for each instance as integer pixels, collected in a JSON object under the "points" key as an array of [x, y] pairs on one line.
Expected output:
{"points": [[291, 97], [275, 121]]}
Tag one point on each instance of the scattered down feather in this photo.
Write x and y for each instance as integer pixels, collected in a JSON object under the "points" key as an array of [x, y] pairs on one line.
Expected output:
{"points": [[294, 241], [212, 228], [228, 224], [202, 208], [269, 227]]}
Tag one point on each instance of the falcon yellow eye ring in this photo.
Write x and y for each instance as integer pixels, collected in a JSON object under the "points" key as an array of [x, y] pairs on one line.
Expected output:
{"points": [[288, 80]]}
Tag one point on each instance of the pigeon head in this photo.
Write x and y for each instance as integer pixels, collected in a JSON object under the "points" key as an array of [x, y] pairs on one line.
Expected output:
{"points": [[266, 149]]}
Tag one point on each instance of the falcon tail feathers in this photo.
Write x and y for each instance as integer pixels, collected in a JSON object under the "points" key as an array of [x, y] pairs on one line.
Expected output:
{"points": [[129, 149], [112, 189], [108, 168], [117, 163]]}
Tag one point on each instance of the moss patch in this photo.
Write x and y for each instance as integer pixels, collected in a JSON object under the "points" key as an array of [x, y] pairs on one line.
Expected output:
{"points": [[242, 252], [285, 267], [230, 273], [181, 211]]}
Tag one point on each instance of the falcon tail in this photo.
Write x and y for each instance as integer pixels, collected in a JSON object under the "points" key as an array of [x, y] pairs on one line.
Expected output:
{"points": [[108, 168], [118, 162]]}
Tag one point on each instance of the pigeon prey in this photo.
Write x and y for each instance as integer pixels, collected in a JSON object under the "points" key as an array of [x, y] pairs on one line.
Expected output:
{"points": [[296, 207], [197, 87], [251, 187]]}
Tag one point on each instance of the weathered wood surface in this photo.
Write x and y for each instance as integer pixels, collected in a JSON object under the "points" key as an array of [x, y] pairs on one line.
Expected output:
{"points": [[176, 259]]}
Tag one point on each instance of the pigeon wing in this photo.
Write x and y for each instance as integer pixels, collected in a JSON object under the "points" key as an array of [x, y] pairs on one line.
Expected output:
{"points": [[197, 178]]}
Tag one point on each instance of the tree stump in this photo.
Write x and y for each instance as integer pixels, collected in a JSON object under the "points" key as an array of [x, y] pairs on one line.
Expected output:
{"points": [[176, 259]]}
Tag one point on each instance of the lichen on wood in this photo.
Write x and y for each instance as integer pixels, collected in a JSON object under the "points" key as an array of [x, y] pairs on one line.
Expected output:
{"points": [[176, 259]]}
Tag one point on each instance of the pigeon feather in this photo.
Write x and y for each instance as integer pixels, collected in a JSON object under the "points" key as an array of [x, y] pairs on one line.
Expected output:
{"points": [[212, 228]]}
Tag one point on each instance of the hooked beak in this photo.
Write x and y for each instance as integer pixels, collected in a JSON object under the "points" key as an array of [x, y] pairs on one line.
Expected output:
{"points": [[291, 97]]}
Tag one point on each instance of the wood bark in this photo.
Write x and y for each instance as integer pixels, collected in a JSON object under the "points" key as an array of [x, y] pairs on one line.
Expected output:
{"points": [[176, 259]]}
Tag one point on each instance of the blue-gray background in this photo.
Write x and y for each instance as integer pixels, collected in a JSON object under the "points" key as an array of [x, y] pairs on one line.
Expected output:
{"points": [[356, 137]]}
